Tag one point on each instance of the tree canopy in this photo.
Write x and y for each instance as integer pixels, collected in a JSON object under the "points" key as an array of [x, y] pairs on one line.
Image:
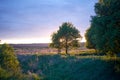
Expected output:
{"points": [[104, 33], [66, 37]]}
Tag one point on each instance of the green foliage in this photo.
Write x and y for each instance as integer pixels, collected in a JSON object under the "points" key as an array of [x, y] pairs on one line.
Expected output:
{"points": [[56, 42], [56, 67], [104, 33], [8, 59], [90, 38], [9, 65], [35, 76], [4, 75], [66, 37]]}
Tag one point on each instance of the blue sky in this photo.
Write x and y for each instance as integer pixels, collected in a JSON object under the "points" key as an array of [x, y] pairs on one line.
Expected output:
{"points": [[33, 21]]}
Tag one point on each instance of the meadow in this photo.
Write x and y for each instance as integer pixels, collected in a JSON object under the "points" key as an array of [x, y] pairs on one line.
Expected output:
{"points": [[84, 65], [28, 63]]}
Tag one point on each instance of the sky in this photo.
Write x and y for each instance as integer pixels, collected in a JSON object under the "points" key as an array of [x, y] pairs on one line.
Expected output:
{"points": [[33, 21]]}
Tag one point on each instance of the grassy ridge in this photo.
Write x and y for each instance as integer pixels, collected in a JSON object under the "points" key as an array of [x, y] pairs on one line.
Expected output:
{"points": [[56, 67]]}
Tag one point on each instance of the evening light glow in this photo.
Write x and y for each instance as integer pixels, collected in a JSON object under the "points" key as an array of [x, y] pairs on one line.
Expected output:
{"points": [[33, 21], [28, 41]]}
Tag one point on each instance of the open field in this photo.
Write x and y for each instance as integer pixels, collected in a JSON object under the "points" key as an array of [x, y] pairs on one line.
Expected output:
{"points": [[43, 48]]}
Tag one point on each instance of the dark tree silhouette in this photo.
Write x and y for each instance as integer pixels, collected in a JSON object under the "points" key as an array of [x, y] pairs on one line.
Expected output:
{"points": [[66, 37], [104, 33]]}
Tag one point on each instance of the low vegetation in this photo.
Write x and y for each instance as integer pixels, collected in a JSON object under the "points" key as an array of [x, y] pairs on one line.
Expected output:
{"points": [[86, 65], [57, 67]]}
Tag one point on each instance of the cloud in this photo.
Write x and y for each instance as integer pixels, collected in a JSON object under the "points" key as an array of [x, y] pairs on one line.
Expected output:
{"points": [[38, 18]]}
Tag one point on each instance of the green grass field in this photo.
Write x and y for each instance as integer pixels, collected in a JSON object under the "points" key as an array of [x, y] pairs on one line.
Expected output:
{"points": [[62, 67]]}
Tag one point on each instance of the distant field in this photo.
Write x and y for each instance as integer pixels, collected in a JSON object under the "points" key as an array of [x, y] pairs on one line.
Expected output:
{"points": [[38, 45], [43, 48]]}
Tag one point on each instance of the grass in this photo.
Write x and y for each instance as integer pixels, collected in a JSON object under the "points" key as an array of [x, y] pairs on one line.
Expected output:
{"points": [[61, 67]]}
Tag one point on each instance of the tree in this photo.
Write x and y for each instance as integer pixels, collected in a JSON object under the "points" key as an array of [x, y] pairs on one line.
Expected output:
{"points": [[9, 65], [66, 37], [106, 27], [8, 59]]}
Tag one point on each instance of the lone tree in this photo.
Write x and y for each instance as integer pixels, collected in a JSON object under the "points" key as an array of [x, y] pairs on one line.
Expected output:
{"points": [[66, 37]]}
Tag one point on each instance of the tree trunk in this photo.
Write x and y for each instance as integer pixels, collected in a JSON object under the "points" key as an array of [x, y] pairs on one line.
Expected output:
{"points": [[66, 47], [66, 50]]}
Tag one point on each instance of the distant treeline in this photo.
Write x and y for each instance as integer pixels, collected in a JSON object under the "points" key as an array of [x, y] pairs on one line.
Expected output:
{"points": [[37, 45]]}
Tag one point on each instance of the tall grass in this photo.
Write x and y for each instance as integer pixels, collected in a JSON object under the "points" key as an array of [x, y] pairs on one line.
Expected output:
{"points": [[57, 67]]}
